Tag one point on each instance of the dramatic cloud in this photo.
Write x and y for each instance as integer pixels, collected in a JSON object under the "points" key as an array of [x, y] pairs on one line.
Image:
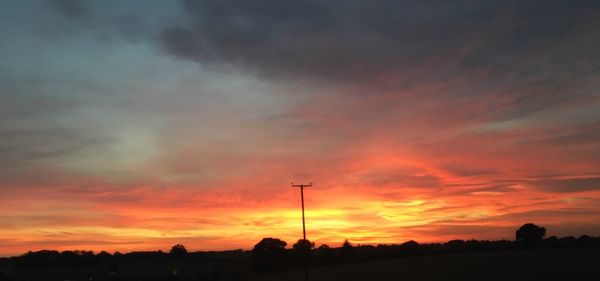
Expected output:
{"points": [[385, 40], [130, 125]]}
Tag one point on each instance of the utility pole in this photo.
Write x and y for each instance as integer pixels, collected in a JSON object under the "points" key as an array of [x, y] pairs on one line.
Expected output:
{"points": [[302, 186]]}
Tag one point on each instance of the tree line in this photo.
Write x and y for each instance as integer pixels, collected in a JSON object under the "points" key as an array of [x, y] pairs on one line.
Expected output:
{"points": [[273, 254]]}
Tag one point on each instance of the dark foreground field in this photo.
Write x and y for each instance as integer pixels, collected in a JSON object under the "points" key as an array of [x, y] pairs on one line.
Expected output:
{"points": [[581, 263], [538, 264]]}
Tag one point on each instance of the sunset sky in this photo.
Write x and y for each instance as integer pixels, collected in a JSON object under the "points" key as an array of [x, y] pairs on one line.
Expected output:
{"points": [[136, 125]]}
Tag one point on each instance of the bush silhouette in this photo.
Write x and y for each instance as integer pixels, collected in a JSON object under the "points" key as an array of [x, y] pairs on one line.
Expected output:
{"points": [[267, 255], [530, 235], [178, 252]]}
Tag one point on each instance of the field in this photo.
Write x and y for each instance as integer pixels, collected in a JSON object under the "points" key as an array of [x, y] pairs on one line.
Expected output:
{"points": [[540, 264]]}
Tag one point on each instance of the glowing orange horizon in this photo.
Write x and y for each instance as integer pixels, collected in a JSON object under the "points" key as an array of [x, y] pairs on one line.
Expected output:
{"points": [[424, 218]]}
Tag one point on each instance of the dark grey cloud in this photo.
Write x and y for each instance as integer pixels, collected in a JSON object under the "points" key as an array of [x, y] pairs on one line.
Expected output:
{"points": [[366, 39], [74, 9], [106, 21], [568, 185]]}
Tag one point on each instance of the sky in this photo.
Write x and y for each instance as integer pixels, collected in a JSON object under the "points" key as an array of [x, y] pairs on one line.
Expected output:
{"points": [[136, 125]]}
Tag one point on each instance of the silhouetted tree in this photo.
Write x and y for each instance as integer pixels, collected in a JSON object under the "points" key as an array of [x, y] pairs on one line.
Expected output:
{"points": [[325, 255], [410, 247], [585, 240], [267, 255], [530, 235], [365, 252], [178, 252], [346, 252], [41, 258], [104, 255], [302, 252], [551, 242], [455, 245]]}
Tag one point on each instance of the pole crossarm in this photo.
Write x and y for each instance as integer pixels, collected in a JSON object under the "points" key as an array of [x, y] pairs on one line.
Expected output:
{"points": [[302, 185]]}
